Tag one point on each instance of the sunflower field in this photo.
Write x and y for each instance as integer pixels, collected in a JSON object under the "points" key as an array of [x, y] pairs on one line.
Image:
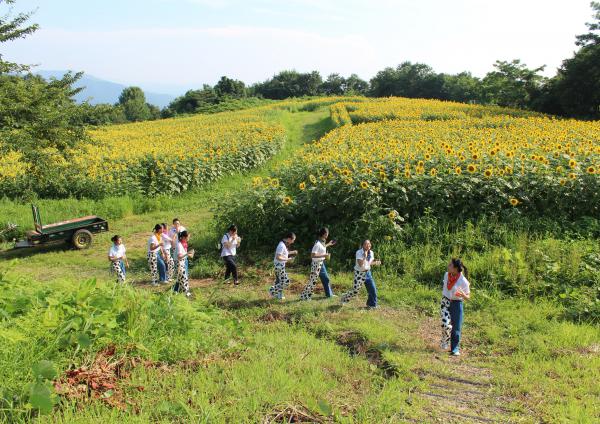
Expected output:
{"points": [[401, 159], [167, 156]]}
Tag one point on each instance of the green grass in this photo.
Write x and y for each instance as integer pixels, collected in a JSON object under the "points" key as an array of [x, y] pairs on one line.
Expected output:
{"points": [[233, 355]]}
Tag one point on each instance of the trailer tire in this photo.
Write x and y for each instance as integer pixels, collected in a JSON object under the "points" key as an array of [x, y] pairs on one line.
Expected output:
{"points": [[82, 239]]}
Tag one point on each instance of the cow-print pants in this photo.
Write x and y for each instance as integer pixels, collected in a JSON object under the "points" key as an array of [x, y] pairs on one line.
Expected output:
{"points": [[359, 279], [183, 284], [170, 263], [119, 268], [446, 323], [153, 264], [315, 269], [282, 281]]}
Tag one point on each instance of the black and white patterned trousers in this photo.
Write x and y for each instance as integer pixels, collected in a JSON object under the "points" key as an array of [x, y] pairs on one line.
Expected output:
{"points": [[315, 269], [282, 281], [446, 323]]}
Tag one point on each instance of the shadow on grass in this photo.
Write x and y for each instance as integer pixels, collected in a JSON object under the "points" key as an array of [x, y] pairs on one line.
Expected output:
{"points": [[38, 250]]}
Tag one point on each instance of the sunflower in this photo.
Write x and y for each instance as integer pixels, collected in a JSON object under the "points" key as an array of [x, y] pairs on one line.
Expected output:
{"points": [[302, 185], [513, 201], [287, 200], [488, 172], [274, 182], [590, 170], [364, 185], [572, 163], [572, 175], [392, 215], [407, 173], [433, 172], [475, 156], [457, 170], [312, 179], [562, 181], [471, 168]]}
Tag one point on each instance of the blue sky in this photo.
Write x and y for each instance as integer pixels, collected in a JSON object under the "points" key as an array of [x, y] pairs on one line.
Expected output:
{"points": [[172, 45]]}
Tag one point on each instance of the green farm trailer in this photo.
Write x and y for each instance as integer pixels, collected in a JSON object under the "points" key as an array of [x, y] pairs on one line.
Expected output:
{"points": [[78, 231]]}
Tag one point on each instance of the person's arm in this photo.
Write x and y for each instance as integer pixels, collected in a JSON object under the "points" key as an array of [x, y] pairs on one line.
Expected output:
{"points": [[126, 261], [466, 295]]}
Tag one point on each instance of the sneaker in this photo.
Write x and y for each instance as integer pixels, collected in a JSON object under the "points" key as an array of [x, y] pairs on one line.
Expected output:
{"points": [[188, 295], [455, 353], [236, 283], [444, 346], [332, 296], [280, 296]]}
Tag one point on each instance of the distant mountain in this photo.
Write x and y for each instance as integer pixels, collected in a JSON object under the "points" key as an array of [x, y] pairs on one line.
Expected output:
{"points": [[101, 91]]}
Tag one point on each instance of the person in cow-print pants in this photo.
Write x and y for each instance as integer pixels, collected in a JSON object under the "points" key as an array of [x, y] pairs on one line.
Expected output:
{"points": [[365, 259], [454, 291], [182, 283], [318, 269], [282, 256], [167, 253], [118, 259]]}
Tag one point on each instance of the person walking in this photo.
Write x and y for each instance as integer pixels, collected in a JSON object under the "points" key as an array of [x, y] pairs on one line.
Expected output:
{"points": [[168, 252], [365, 259], [282, 256], [229, 244], [318, 269], [118, 258], [155, 256], [455, 289], [183, 253]]}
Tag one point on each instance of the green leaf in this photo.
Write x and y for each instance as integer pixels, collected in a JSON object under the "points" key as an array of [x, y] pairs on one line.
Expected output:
{"points": [[44, 369], [84, 340], [40, 397], [325, 408]]}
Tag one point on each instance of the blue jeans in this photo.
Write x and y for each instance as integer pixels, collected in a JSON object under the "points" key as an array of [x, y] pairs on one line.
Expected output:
{"points": [[371, 290], [325, 280], [456, 317], [162, 268]]}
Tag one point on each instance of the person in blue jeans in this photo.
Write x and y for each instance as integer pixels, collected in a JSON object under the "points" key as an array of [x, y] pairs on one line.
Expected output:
{"points": [[455, 289], [318, 269], [365, 259]]}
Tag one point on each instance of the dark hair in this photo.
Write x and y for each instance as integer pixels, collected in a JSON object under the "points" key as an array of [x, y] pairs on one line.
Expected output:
{"points": [[157, 227], [182, 234], [458, 264], [115, 238], [175, 220], [322, 232], [164, 225], [290, 235], [232, 227]]}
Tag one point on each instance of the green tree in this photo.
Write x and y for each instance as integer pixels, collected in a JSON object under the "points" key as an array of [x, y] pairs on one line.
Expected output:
{"points": [[133, 102], [290, 84], [575, 91], [228, 87], [408, 80], [12, 28], [512, 84], [354, 85], [334, 85], [462, 87]]}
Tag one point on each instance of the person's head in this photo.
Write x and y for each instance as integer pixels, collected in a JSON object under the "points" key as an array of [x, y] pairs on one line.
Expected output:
{"points": [[157, 229], [232, 229], [366, 245], [116, 239], [183, 236], [176, 223], [289, 238], [456, 266], [165, 229], [323, 233]]}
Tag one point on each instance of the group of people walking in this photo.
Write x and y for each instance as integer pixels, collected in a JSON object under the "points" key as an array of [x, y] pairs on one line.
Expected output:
{"points": [[168, 255]]}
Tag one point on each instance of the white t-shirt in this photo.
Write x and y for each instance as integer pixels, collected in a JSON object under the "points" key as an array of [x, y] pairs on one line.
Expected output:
{"points": [[181, 250], [319, 249], [153, 240], [228, 251], [165, 238], [461, 283], [366, 266], [116, 251], [174, 234], [282, 251]]}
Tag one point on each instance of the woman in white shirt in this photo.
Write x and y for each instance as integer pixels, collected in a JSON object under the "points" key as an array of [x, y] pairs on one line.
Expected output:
{"points": [[365, 259], [173, 234], [318, 269], [282, 256], [118, 259], [155, 258], [229, 244], [455, 289], [182, 283], [168, 254]]}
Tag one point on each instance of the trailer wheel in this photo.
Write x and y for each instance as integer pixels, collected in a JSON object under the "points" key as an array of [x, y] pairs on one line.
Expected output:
{"points": [[82, 239]]}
